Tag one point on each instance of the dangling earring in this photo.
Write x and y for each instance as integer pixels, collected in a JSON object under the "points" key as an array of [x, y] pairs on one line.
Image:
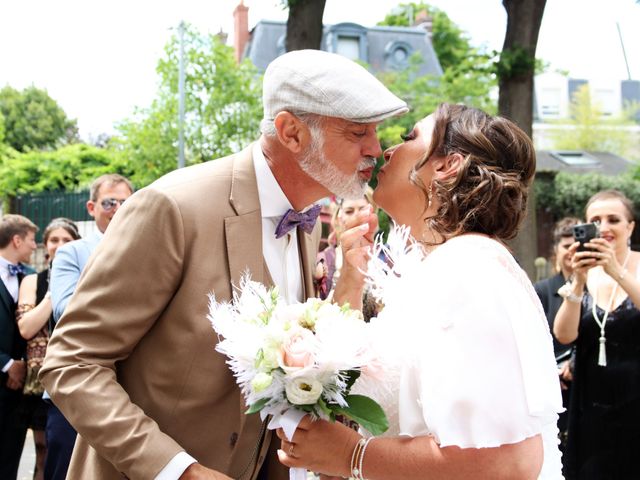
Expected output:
{"points": [[429, 195]]}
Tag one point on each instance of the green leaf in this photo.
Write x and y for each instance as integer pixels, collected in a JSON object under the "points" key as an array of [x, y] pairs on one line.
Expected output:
{"points": [[256, 407], [366, 412]]}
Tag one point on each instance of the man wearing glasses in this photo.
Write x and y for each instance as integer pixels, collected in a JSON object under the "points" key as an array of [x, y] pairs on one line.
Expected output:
{"points": [[107, 193]]}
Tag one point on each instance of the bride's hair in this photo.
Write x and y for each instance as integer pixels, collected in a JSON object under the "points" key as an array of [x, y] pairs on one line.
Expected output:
{"points": [[489, 194]]}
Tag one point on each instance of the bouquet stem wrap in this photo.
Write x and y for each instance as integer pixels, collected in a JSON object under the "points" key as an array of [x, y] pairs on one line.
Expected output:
{"points": [[288, 421]]}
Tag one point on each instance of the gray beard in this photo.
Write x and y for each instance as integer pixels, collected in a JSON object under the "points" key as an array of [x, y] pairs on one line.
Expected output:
{"points": [[315, 164]]}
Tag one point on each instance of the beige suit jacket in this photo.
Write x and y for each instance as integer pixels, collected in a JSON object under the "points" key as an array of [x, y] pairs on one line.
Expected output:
{"points": [[132, 363]]}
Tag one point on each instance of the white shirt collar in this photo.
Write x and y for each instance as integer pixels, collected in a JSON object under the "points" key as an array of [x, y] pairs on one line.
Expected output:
{"points": [[4, 263], [273, 202]]}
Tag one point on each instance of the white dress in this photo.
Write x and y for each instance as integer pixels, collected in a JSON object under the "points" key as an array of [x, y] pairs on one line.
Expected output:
{"points": [[466, 347]]}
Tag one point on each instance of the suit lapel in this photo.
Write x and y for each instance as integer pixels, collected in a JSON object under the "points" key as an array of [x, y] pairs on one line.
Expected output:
{"points": [[6, 297], [244, 231]]}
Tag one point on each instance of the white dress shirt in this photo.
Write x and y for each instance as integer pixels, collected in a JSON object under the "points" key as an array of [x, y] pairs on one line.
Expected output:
{"points": [[281, 254], [282, 258]]}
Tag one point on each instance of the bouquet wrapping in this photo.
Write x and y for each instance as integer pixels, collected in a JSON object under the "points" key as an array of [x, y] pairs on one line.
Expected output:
{"points": [[293, 360]]}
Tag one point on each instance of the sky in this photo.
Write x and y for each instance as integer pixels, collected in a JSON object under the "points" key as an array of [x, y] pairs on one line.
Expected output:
{"points": [[97, 59]]}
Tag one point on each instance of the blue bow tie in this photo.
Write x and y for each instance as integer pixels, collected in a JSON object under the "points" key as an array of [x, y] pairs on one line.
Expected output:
{"points": [[15, 269], [292, 219]]}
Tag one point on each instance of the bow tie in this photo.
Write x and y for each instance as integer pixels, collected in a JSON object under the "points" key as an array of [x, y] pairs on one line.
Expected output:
{"points": [[15, 269], [292, 219]]}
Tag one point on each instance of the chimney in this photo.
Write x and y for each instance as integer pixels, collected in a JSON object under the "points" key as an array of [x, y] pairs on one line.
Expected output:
{"points": [[424, 20], [240, 29]]}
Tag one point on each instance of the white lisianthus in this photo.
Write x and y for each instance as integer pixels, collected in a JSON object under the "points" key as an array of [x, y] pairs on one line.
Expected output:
{"points": [[303, 391], [261, 381]]}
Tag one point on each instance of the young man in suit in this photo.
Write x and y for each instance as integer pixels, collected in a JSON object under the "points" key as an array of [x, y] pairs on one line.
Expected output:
{"points": [[17, 243], [132, 363], [106, 194]]}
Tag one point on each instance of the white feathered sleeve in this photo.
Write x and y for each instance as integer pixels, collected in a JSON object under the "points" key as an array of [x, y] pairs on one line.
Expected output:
{"points": [[479, 368]]}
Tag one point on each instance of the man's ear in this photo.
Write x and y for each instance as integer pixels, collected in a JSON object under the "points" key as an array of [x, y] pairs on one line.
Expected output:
{"points": [[16, 240], [448, 167], [91, 208], [291, 131]]}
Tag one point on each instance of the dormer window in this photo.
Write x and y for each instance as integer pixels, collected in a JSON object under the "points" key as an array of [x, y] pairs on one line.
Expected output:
{"points": [[348, 40], [396, 55]]}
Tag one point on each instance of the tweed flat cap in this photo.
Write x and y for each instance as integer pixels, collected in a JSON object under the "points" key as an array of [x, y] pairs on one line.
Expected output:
{"points": [[313, 81]]}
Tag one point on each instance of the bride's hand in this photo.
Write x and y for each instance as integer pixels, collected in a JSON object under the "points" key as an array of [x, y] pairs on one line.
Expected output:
{"points": [[357, 238], [319, 446]]}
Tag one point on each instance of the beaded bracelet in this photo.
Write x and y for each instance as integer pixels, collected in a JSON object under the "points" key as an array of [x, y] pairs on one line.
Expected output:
{"points": [[357, 458]]}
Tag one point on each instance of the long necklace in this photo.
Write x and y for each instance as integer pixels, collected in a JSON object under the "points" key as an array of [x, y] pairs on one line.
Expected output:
{"points": [[602, 352]]}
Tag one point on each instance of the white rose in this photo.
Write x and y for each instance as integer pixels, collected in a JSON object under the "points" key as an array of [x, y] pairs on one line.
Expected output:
{"points": [[303, 391], [261, 381]]}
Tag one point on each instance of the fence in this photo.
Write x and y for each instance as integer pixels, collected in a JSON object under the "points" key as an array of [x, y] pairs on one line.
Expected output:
{"points": [[40, 208]]}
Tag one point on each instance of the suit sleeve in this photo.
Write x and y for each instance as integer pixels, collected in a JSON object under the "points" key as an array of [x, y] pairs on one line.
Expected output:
{"points": [[131, 277], [65, 273]]}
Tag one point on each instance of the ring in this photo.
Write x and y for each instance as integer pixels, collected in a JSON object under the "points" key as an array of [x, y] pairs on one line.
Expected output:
{"points": [[291, 450]]}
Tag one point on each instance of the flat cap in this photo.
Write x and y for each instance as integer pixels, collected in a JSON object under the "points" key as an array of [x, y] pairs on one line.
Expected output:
{"points": [[327, 84]]}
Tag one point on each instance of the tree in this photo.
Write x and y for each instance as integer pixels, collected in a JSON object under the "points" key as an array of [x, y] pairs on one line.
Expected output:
{"points": [[587, 129], [222, 109], [304, 24], [516, 66], [33, 120], [69, 168], [515, 69]]}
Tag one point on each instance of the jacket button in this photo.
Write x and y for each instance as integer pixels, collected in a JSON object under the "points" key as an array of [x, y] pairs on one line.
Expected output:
{"points": [[233, 439]]}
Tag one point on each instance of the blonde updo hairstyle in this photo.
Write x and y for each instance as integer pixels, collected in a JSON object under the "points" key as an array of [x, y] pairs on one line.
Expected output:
{"points": [[489, 194]]}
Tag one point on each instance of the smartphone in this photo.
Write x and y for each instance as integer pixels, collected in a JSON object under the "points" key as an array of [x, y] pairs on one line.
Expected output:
{"points": [[584, 233]]}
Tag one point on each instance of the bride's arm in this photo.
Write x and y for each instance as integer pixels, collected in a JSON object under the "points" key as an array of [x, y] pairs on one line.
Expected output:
{"points": [[356, 242], [325, 447]]}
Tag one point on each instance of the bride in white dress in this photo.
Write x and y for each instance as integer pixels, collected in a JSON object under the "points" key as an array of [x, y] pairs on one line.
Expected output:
{"points": [[470, 386]]}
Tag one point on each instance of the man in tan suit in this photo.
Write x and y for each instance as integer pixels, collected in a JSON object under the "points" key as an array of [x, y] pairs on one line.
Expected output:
{"points": [[132, 363]]}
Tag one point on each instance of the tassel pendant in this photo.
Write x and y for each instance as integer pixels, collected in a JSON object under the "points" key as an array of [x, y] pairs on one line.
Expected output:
{"points": [[602, 354]]}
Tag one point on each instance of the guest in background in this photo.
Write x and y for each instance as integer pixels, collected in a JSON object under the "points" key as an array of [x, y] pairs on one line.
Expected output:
{"points": [[600, 314], [34, 316], [17, 243], [329, 260]]}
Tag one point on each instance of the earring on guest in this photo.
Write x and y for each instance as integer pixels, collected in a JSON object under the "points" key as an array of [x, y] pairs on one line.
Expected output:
{"points": [[429, 195]]}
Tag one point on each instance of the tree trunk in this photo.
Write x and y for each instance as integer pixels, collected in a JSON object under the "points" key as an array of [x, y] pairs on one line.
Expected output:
{"points": [[304, 24], [516, 70]]}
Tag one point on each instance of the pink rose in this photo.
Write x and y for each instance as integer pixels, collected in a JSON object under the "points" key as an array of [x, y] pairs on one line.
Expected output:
{"points": [[298, 349]]}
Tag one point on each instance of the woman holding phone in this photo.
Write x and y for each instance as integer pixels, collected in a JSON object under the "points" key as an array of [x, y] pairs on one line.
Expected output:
{"points": [[600, 313]]}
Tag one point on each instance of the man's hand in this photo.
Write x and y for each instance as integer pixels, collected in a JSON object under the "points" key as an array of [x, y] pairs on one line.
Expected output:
{"points": [[195, 471], [16, 375]]}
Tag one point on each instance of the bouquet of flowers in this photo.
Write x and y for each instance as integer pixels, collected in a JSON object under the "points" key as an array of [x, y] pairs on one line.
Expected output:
{"points": [[293, 360]]}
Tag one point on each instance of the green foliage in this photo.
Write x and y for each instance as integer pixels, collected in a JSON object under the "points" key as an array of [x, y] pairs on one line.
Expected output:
{"points": [[566, 194], [33, 120], [467, 72], [222, 109], [514, 63], [589, 130], [69, 168]]}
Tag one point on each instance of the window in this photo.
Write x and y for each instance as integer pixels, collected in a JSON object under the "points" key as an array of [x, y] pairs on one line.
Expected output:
{"points": [[348, 47], [576, 158], [397, 55]]}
